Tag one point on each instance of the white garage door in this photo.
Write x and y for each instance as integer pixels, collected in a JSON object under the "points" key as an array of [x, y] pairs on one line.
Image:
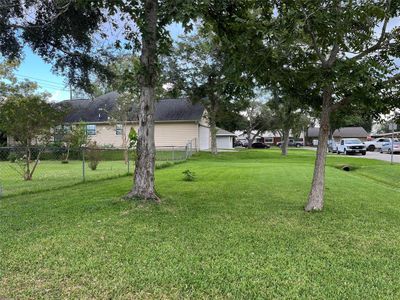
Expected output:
{"points": [[224, 142], [204, 137]]}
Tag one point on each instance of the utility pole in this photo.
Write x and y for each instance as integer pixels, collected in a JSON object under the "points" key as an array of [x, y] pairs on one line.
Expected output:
{"points": [[391, 152], [393, 127], [70, 92]]}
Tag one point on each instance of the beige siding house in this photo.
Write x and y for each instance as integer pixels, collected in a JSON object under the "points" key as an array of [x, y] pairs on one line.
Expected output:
{"points": [[177, 122]]}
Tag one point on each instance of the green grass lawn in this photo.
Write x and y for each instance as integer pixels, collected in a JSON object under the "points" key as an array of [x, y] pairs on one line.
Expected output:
{"points": [[51, 175], [238, 231]]}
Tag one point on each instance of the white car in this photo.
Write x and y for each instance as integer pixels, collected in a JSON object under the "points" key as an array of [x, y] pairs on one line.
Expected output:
{"points": [[351, 146], [376, 144]]}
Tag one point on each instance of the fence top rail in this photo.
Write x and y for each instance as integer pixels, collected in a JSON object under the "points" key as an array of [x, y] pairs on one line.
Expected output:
{"points": [[49, 148]]}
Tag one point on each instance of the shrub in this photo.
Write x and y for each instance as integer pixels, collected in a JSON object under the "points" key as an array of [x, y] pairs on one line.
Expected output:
{"points": [[93, 156], [12, 157], [188, 175]]}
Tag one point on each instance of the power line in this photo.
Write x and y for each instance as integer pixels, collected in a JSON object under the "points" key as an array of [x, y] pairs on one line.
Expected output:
{"points": [[39, 79]]}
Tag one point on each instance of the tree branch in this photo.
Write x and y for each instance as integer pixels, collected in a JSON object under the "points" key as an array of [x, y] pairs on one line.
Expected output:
{"points": [[314, 40], [381, 39]]}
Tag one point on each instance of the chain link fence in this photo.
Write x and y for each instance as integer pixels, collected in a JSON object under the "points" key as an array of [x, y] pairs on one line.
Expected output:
{"points": [[39, 169]]}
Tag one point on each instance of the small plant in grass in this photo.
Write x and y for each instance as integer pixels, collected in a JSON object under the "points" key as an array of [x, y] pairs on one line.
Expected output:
{"points": [[93, 155], [12, 157], [188, 175]]}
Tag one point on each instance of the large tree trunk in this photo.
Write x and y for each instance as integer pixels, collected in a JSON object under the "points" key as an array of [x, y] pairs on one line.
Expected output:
{"points": [[285, 142], [213, 126], [144, 187], [316, 196]]}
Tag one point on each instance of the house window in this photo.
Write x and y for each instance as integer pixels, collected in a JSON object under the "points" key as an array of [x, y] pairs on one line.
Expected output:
{"points": [[118, 129], [91, 129]]}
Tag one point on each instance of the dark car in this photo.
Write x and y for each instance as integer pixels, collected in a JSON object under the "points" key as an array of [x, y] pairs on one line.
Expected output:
{"points": [[292, 143], [238, 143], [259, 145]]}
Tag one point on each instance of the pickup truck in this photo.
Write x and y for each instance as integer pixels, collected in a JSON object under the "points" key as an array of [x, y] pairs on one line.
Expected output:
{"points": [[351, 146], [377, 143], [292, 143]]}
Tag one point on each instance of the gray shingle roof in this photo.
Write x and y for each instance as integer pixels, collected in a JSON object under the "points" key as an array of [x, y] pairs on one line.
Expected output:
{"points": [[350, 132], [344, 132], [97, 110], [223, 132]]}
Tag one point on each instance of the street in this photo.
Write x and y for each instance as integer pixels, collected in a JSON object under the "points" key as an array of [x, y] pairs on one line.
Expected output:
{"points": [[369, 155]]}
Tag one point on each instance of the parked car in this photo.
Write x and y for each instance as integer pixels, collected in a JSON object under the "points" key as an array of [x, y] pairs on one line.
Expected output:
{"points": [[238, 143], [260, 145], [376, 143], [387, 147], [292, 143], [332, 146], [351, 146]]}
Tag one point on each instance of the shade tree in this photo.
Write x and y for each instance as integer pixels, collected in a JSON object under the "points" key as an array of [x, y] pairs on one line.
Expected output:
{"points": [[337, 54]]}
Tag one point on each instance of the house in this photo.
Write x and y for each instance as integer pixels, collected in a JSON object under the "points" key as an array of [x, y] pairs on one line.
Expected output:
{"points": [[225, 139], [177, 122], [341, 133]]}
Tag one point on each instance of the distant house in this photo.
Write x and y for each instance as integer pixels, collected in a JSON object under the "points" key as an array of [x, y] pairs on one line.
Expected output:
{"points": [[177, 122], [225, 139], [341, 133]]}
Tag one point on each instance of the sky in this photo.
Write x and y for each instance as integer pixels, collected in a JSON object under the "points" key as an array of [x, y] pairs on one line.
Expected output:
{"points": [[35, 69]]}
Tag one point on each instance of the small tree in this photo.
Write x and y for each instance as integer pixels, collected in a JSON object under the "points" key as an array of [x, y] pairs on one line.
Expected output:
{"points": [[288, 118], [74, 137], [29, 120], [93, 155], [258, 119]]}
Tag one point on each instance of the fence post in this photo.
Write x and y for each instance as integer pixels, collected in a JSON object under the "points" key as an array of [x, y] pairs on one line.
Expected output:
{"points": [[83, 164], [128, 161], [173, 153]]}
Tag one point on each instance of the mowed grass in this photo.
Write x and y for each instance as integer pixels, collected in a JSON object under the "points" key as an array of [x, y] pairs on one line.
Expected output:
{"points": [[52, 174], [238, 231]]}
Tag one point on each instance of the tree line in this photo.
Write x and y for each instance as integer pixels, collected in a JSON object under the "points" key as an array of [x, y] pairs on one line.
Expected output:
{"points": [[330, 57]]}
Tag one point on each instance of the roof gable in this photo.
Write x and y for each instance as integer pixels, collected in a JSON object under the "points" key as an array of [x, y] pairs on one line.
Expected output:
{"points": [[350, 132], [344, 132], [223, 132]]}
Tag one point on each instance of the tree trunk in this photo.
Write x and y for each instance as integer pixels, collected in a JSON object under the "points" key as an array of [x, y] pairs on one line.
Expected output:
{"points": [[316, 196], [67, 155], [27, 174], [285, 142], [144, 187], [213, 127], [249, 139]]}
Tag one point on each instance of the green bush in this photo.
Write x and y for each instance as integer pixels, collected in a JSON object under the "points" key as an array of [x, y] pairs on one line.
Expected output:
{"points": [[93, 156], [189, 175]]}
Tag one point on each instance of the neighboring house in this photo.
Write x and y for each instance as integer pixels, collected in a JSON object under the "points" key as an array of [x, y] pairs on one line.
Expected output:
{"points": [[225, 139], [177, 122], [338, 134]]}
